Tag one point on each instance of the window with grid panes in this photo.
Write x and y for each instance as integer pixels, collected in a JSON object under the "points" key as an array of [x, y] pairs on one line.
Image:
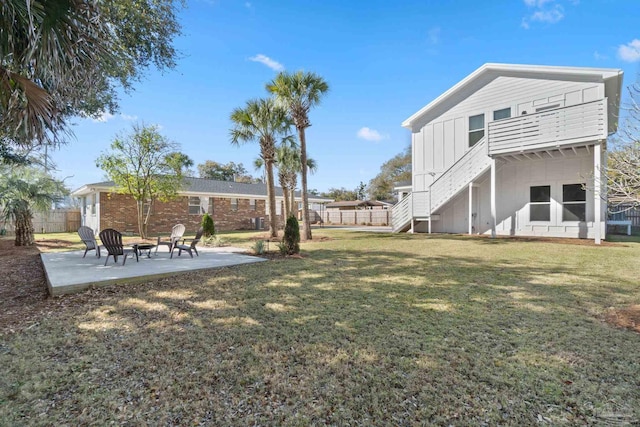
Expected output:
{"points": [[574, 202], [194, 205], [540, 203], [476, 129]]}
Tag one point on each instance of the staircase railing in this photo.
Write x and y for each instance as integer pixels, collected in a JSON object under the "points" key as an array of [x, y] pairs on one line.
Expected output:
{"points": [[420, 204], [460, 174], [414, 205], [401, 213]]}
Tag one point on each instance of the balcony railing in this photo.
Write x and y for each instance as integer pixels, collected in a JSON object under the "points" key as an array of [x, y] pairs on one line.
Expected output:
{"points": [[548, 129]]}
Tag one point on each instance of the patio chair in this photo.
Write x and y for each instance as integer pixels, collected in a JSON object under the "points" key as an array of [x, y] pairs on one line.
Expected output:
{"points": [[191, 247], [112, 241], [176, 234], [88, 237]]}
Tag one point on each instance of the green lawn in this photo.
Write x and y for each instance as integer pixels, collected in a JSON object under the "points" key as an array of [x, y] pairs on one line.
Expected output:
{"points": [[365, 329]]}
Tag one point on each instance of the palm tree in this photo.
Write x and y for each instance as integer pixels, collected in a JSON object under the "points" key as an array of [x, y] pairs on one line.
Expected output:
{"points": [[289, 166], [60, 58], [24, 190], [263, 121], [287, 159], [48, 50], [299, 92]]}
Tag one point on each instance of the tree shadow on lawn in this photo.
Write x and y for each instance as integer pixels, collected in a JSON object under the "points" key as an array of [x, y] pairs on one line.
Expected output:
{"points": [[486, 239], [337, 337]]}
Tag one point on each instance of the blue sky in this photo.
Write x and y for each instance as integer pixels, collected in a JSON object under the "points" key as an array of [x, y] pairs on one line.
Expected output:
{"points": [[383, 62]]}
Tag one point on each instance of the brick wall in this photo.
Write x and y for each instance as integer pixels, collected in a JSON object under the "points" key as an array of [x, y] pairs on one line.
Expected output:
{"points": [[119, 211]]}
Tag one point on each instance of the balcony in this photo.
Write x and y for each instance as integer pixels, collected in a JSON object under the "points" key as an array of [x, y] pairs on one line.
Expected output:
{"points": [[550, 129]]}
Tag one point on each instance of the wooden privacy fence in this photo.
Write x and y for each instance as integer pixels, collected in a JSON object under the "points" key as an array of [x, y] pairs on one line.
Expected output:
{"points": [[357, 217], [622, 212], [55, 221]]}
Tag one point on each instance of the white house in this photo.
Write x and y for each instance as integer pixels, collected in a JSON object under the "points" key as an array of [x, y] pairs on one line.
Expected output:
{"points": [[513, 150]]}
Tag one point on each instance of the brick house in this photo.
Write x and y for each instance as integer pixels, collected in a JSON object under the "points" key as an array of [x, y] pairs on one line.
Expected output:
{"points": [[233, 206]]}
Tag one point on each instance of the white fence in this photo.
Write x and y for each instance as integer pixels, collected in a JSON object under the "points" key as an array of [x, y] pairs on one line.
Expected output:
{"points": [[358, 217], [55, 221]]}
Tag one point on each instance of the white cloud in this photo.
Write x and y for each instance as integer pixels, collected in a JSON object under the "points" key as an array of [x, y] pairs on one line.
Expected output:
{"points": [[550, 16], [103, 118], [248, 5], [545, 11], [598, 56], [370, 134], [263, 59], [630, 52], [536, 3]]}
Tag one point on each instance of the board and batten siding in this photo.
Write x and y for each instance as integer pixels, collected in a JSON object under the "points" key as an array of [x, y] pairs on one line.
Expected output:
{"points": [[443, 139], [513, 182]]}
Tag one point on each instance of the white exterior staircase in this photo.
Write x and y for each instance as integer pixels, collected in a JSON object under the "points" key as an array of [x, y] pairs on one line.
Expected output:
{"points": [[420, 205]]}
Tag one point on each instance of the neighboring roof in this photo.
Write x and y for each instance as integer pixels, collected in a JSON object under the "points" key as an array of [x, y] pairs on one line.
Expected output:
{"points": [[402, 185], [612, 78], [356, 203], [205, 186]]}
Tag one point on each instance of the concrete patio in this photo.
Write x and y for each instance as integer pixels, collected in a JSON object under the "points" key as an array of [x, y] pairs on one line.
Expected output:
{"points": [[68, 272]]}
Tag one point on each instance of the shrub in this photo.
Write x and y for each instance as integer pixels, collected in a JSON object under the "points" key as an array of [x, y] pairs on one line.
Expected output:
{"points": [[282, 247], [208, 227], [217, 241], [259, 247], [291, 239]]}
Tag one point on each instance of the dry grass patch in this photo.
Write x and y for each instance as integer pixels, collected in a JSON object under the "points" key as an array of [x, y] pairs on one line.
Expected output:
{"points": [[626, 317], [365, 329]]}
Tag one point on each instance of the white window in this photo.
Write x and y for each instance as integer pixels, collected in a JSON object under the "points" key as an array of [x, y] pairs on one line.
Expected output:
{"points": [[540, 203], [278, 207], [574, 202], [234, 204], [194, 206], [505, 113], [476, 129], [93, 204], [252, 204]]}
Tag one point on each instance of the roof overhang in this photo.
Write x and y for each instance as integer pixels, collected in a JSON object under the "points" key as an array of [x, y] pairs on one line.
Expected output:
{"points": [[96, 188], [612, 78], [89, 189], [245, 196]]}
